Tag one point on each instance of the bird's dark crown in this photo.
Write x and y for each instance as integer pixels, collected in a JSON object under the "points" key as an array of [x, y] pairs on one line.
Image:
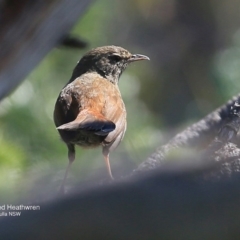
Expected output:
{"points": [[108, 61]]}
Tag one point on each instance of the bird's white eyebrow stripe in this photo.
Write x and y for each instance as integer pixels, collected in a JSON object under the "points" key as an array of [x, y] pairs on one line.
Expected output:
{"points": [[122, 55]]}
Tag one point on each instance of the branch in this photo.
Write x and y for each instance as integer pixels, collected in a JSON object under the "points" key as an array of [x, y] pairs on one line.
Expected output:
{"points": [[28, 31], [197, 136], [166, 205]]}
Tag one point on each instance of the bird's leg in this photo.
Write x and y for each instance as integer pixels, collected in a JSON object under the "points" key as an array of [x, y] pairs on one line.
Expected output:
{"points": [[71, 157], [106, 157]]}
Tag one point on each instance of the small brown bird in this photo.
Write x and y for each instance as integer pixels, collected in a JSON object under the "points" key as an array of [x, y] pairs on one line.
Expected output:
{"points": [[89, 111]]}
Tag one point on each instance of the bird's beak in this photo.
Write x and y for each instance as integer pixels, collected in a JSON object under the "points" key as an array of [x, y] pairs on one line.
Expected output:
{"points": [[138, 57]]}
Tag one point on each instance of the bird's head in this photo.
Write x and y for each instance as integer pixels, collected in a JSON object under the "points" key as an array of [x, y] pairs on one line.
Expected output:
{"points": [[108, 61]]}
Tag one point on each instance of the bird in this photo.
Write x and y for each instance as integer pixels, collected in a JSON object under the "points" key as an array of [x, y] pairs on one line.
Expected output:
{"points": [[89, 111]]}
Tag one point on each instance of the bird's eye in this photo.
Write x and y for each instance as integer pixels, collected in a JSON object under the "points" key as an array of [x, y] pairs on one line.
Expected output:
{"points": [[115, 58]]}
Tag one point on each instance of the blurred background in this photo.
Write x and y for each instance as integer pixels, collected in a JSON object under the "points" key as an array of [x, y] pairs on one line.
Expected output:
{"points": [[194, 47]]}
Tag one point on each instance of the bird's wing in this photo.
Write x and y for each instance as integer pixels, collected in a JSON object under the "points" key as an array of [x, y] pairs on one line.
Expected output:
{"points": [[89, 120], [65, 107]]}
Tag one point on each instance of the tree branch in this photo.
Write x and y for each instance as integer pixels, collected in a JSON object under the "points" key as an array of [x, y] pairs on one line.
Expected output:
{"points": [[197, 136], [28, 31]]}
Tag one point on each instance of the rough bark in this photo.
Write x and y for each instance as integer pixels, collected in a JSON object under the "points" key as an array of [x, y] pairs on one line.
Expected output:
{"points": [[215, 130]]}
